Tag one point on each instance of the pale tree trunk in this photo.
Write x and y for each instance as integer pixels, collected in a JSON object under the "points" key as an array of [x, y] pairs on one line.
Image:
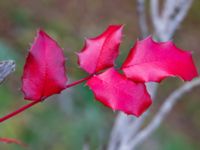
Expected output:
{"points": [[127, 133]]}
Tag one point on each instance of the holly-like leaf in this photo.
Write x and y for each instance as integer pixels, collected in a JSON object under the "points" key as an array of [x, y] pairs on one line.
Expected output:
{"points": [[44, 70], [12, 141], [119, 93], [100, 53], [154, 61]]}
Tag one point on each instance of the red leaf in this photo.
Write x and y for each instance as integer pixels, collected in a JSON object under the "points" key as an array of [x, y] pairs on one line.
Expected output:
{"points": [[44, 71], [152, 61], [119, 93], [100, 53], [12, 141]]}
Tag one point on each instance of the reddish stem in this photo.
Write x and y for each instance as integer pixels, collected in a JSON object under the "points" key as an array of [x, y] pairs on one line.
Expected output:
{"points": [[21, 109], [11, 140], [26, 106], [79, 81]]}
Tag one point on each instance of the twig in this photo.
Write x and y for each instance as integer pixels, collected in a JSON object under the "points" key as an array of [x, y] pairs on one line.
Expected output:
{"points": [[16, 112], [86, 146], [13, 141], [129, 124], [133, 127], [29, 105], [6, 67], [126, 128], [181, 11], [172, 15], [142, 18], [119, 127], [155, 13], [163, 112]]}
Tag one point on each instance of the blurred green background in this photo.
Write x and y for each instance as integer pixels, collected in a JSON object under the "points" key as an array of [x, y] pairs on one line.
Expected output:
{"points": [[69, 120]]}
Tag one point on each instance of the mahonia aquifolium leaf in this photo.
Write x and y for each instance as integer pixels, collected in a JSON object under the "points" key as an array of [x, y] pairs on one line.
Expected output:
{"points": [[44, 70]]}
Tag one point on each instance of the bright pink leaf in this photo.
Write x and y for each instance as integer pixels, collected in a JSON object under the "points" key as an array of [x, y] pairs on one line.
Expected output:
{"points": [[119, 93], [12, 141], [100, 53], [152, 61], [44, 71]]}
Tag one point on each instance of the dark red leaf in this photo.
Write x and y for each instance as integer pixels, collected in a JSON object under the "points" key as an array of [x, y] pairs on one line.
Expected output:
{"points": [[12, 141], [152, 61], [100, 53], [44, 71], [119, 93]]}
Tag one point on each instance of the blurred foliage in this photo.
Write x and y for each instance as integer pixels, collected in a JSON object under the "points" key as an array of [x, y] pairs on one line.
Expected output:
{"points": [[51, 125]]}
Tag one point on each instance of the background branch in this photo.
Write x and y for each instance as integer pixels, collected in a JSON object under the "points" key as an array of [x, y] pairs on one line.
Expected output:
{"points": [[164, 111], [6, 67], [155, 14], [142, 18], [126, 128]]}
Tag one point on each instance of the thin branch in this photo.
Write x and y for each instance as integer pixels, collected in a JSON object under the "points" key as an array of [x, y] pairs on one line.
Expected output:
{"points": [[125, 127], [142, 18], [29, 105], [133, 127], [16, 112], [79, 81], [168, 10], [163, 112], [13, 141], [120, 124], [155, 13], [122, 136], [181, 11], [172, 15], [86, 146], [6, 67]]}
